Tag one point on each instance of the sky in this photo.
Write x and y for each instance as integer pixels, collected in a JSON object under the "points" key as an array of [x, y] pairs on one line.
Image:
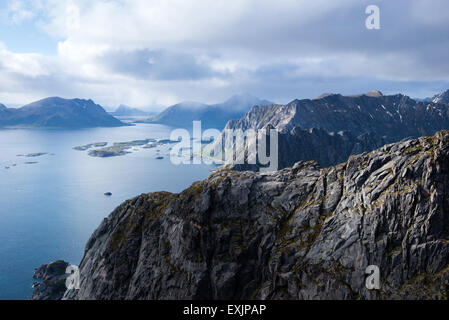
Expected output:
{"points": [[154, 53]]}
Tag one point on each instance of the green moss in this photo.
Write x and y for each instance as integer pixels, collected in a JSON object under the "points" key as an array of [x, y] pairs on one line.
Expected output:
{"points": [[118, 238], [157, 202], [412, 149], [197, 188]]}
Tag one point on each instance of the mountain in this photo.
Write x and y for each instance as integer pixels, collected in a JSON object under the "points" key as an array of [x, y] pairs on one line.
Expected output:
{"points": [[181, 114], [298, 233], [211, 116], [58, 112], [4, 111], [442, 97], [125, 111], [332, 127]]}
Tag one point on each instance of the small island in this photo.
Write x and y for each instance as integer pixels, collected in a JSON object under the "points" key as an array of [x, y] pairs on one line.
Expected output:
{"points": [[118, 148], [123, 148], [91, 145], [33, 155]]}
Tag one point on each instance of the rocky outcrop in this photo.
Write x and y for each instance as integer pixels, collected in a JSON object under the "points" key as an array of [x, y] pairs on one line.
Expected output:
{"points": [[332, 127], [52, 285], [300, 233], [442, 97]]}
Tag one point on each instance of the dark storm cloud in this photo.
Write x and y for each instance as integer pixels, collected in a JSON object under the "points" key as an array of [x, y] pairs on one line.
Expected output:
{"points": [[157, 65]]}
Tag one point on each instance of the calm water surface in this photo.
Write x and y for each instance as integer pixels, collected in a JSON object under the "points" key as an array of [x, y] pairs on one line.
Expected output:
{"points": [[49, 209]]}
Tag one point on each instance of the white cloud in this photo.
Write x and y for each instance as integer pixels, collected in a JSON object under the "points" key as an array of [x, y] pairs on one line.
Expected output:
{"points": [[26, 64], [156, 52]]}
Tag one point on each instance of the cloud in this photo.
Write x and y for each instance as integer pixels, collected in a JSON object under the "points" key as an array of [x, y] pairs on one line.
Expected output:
{"points": [[158, 65], [18, 12], [150, 53]]}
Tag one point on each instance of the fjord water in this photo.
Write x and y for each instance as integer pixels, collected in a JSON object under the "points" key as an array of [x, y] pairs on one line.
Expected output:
{"points": [[49, 209]]}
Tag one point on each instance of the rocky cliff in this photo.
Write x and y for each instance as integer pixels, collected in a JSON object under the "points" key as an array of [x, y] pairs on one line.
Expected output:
{"points": [[332, 127], [300, 233], [51, 281], [442, 97]]}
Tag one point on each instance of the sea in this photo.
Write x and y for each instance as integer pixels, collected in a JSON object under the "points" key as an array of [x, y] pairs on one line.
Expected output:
{"points": [[50, 204]]}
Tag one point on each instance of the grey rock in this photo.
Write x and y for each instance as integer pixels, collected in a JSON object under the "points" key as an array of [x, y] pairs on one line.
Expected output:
{"points": [[53, 281], [303, 232], [442, 97], [332, 127]]}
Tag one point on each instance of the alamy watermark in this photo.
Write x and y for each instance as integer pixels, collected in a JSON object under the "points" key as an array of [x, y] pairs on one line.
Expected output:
{"points": [[372, 22], [228, 147], [73, 280], [372, 281]]}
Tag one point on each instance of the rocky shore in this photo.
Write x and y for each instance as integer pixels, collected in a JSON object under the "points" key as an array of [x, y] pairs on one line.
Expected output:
{"points": [[51, 284]]}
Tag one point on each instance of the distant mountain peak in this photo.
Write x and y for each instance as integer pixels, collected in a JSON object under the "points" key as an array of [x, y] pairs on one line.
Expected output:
{"points": [[124, 111], [442, 97], [60, 102], [59, 112], [374, 94], [325, 95], [212, 115]]}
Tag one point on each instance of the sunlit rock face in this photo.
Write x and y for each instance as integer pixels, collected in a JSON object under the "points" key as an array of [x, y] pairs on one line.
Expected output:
{"points": [[332, 127]]}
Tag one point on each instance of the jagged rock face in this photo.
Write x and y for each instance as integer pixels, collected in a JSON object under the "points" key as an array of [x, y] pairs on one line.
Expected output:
{"points": [[317, 144], [395, 116], [53, 285], [347, 125], [298, 233], [442, 97]]}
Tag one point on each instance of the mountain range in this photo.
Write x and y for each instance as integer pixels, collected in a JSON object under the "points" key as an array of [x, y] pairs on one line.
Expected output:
{"points": [[332, 127], [58, 113], [125, 111], [211, 116]]}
